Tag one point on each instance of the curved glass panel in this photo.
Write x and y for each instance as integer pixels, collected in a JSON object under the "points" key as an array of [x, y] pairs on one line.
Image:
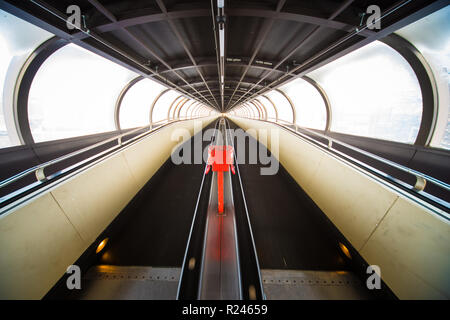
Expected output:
{"points": [[185, 108], [373, 92], [177, 106], [282, 104], [260, 107], [199, 111], [204, 112], [163, 104], [190, 104], [252, 110], [135, 109], [308, 103], [74, 93], [269, 107], [431, 36], [248, 111], [18, 39], [190, 111], [196, 110]]}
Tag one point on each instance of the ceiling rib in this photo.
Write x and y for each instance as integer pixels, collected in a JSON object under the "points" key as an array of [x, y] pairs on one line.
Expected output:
{"points": [[300, 44], [236, 12], [335, 44], [267, 27], [183, 44], [130, 35], [61, 16]]}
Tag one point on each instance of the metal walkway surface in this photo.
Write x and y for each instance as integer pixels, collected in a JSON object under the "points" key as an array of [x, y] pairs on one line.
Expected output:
{"points": [[298, 256], [288, 227], [157, 229], [220, 276], [312, 285], [106, 282]]}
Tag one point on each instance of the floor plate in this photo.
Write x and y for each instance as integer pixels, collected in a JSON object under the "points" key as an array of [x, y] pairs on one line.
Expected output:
{"points": [[312, 285], [106, 282]]}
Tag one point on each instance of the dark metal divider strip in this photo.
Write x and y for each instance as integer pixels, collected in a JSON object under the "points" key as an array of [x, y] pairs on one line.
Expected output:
{"points": [[250, 270]]}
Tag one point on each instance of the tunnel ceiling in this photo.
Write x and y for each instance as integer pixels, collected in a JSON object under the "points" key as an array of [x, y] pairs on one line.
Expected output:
{"points": [[176, 42]]}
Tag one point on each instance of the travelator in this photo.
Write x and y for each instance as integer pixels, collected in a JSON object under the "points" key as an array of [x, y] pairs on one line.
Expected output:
{"points": [[100, 202]]}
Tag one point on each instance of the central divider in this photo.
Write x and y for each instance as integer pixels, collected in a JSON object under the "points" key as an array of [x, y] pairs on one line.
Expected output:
{"points": [[220, 261], [220, 274]]}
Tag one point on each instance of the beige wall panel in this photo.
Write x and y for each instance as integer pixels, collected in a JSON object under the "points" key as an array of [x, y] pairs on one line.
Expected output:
{"points": [[41, 238], [412, 247], [37, 244], [352, 201], [93, 198], [303, 154], [142, 159], [303, 160], [146, 157], [408, 242]]}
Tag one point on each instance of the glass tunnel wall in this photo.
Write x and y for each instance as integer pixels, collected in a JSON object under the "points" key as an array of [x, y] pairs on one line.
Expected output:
{"points": [[135, 108], [374, 91], [66, 99], [431, 36], [310, 107], [162, 105], [271, 115], [74, 91], [283, 106], [18, 39]]}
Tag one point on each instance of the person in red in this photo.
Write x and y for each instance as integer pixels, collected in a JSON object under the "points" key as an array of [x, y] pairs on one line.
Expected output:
{"points": [[220, 158]]}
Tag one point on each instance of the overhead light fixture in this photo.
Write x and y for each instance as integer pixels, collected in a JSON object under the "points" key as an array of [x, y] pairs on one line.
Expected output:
{"points": [[222, 42], [221, 22]]}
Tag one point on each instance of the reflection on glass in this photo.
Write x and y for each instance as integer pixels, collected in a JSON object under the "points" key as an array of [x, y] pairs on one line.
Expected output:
{"points": [[309, 105], [74, 94], [282, 104], [18, 39], [431, 36], [373, 92]]}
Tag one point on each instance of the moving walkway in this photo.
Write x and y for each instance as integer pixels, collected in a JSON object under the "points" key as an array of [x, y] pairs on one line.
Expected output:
{"points": [[273, 241]]}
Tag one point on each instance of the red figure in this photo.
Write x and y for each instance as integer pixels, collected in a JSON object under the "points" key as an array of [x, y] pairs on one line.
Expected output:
{"points": [[221, 159]]}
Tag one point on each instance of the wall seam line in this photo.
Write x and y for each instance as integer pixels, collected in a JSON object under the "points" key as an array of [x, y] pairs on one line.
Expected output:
{"points": [[67, 217], [379, 223]]}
